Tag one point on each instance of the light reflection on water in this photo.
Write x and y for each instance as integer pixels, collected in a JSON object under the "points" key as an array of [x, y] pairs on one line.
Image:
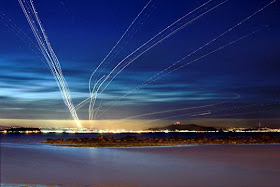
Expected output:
{"points": [[30, 162]]}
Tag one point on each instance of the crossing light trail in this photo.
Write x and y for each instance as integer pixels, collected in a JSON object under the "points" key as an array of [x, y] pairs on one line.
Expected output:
{"points": [[211, 113], [110, 52], [191, 115], [245, 36], [212, 52], [153, 39], [237, 96], [154, 78], [38, 30], [125, 40], [82, 103], [118, 42], [210, 42], [160, 37], [180, 115], [233, 114], [92, 101]]}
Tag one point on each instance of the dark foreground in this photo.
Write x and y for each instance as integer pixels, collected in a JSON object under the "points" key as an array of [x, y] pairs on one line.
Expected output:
{"points": [[133, 141]]}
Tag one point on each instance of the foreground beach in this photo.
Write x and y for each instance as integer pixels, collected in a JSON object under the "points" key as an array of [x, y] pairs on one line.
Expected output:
{"points": [[203, 165]]}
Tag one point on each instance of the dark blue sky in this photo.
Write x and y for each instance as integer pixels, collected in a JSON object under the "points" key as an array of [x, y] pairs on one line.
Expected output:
{"points": [[83, 32]]}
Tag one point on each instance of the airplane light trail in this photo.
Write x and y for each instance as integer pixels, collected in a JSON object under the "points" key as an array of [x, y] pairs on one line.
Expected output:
{"points": [[168, 27], [92, 101], [231, 29], [154, 78], [118, 42], [155, 40], [220, 48], [91, 106], [202, 114], [210, 113], [180, 115], [39, 32], [186, 108], [214, 51]]}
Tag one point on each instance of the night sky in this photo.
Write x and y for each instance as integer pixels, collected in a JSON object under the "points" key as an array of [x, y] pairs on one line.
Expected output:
{"points": [[237, 85]]}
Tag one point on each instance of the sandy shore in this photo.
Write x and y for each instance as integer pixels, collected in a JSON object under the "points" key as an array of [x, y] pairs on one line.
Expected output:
{"points": [[205, 165]]}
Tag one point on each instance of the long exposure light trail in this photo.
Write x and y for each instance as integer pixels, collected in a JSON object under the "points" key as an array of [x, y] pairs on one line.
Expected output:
{"points": [[147, 114], [220, 48], [149, 44], [212, 52], [157, 42], [211, 113], [154, 78], [237, 96], [118, 42], [38, 30], [92, 101], [159, 34], [114, 47]]}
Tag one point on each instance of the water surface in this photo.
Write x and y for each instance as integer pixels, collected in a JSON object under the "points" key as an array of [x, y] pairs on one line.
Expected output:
{"points": [[25, 161]]}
